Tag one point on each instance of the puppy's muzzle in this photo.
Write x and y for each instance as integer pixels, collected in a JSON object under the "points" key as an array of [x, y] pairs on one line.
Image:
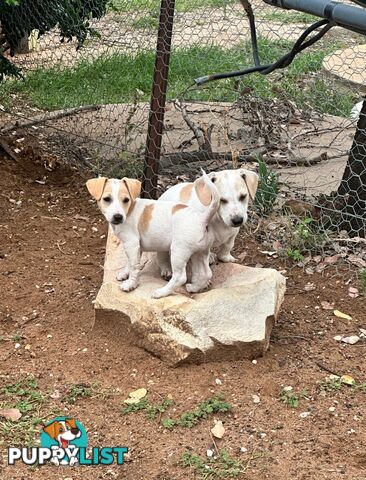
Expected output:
{"points": [[237, 221], [117, 219], [75, 431]]}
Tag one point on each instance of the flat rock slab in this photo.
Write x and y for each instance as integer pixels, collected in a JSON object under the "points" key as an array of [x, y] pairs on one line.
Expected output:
{"points": [[232, 320]]}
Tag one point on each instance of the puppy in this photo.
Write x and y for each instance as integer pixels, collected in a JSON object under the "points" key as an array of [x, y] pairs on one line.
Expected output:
{"points": [[236, 188], [63, 432], [149, 226]]}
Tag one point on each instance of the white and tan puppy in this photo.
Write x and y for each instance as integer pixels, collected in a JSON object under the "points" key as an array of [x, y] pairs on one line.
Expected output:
{"points": [[236, 188], [149, 226]]}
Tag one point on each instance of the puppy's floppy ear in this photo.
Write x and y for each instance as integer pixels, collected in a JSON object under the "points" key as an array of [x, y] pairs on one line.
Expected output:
{"points": [[251, 181], [133, 186], [71, 422], [52, 429], [96, 186]]}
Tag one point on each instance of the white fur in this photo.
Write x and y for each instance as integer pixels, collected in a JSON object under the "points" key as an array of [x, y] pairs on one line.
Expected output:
{"points": [[222, 232], [184, 234]]}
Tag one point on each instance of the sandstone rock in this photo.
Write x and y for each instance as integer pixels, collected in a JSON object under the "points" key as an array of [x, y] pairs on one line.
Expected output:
{"points": [[232, 320]]}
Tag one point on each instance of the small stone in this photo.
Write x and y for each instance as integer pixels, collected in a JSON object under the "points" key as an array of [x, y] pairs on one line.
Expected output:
{"points": [[218, 381], [254, 362], [17, 345], [332, 409], [338, 338], [287, 389], [243, 450], [304, 414], [210, 453], [256, 399], [351, 340], [85, 350]]}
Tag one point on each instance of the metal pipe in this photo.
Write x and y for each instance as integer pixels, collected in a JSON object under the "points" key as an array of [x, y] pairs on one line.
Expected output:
{"points": [[347, 16], [158, 99]]}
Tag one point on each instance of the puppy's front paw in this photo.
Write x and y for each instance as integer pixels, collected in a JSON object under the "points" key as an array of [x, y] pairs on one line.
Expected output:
{"points": [[160, 293], [73, 461], [122, 275], [128, 285], [213, 258], [192, 288], [227, 258]]}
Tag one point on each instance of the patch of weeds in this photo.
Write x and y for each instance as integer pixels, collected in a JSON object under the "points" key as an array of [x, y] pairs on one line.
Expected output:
{"points": [[330, 385], [268, 189], [362, 276], [306, 236], [208, 407], [26, 396], [151, 410], [78, 391], [290, 398], [295, 255], [222, 466]]}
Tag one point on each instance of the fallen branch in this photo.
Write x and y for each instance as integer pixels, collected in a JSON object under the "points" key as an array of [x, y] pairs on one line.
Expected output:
{"points": [[202, 135], [48, 117], [8, 150]]}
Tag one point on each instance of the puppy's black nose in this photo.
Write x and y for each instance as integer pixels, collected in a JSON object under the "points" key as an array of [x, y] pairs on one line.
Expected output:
{"points": [[237, 221], [117, 218], [74, 431]]}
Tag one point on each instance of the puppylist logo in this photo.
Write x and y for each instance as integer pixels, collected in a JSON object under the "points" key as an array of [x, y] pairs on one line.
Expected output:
{"points": [[64, 441]]}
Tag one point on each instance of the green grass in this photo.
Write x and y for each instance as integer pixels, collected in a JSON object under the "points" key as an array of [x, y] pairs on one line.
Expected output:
{"points": [[203, 410], [292, 399], [287, 16], [151, 410], [115, 79], [221, 466], [181, 5], [362, 275], [26, 396]]}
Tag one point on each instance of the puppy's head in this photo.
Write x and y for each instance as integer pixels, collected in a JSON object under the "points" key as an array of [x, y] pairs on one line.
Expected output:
{"points": [[115, 197], [236, 188]]}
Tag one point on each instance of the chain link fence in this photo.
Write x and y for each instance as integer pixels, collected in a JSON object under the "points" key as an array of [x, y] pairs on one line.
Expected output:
{"points": [[90, 100]]}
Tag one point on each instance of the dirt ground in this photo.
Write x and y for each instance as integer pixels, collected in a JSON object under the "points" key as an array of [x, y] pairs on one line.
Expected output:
{"points": [[51, 256]]}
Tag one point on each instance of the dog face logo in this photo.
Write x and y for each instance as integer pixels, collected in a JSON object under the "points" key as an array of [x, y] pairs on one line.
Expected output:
{"points": [[64, 436], [63, 432]]}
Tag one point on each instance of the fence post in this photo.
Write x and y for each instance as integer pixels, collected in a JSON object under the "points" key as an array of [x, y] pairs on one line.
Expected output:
{"points": [[158, 98]]}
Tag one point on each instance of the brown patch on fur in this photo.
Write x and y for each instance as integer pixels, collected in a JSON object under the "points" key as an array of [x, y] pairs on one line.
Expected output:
{"points": [[145, 218], [203, 192], [96, 186], [185, 193], [178, 207]]}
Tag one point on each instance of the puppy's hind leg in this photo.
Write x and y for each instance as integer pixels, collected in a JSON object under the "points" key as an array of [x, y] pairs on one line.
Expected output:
{"points": [[179, 262], [163, 261], [201, 272]]}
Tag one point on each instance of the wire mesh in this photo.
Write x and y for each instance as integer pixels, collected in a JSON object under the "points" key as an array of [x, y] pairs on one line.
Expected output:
{"points": [[88, 101]]}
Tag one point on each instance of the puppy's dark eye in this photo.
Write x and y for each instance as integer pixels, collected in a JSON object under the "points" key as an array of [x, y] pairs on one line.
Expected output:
{"points": [[107, 199], [223, 201], [125, 200], [242, 198]]}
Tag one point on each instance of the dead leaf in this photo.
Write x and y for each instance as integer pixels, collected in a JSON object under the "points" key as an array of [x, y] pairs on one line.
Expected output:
{"points": [[218, 430], [309, 287], [136, 396], [353, 292], [357, 260], [339, 314], [331, 260], [12, 414], [327, 305], [351, 340], [348, 380]]}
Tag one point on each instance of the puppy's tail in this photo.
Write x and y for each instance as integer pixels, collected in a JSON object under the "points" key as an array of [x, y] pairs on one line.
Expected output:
{"points": [[208, 196]]}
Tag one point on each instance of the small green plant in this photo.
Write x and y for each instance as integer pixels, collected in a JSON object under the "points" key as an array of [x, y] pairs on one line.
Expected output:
{"points": [[221, 466], [31, 402], [362, 275], [290, 398], [330, 385], [204, 409], [151, 410], [268, 189], [295, 254], [78, 391]]}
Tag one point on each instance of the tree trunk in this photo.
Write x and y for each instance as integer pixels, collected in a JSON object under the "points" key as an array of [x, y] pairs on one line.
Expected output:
{"points": [[353, 184]]}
